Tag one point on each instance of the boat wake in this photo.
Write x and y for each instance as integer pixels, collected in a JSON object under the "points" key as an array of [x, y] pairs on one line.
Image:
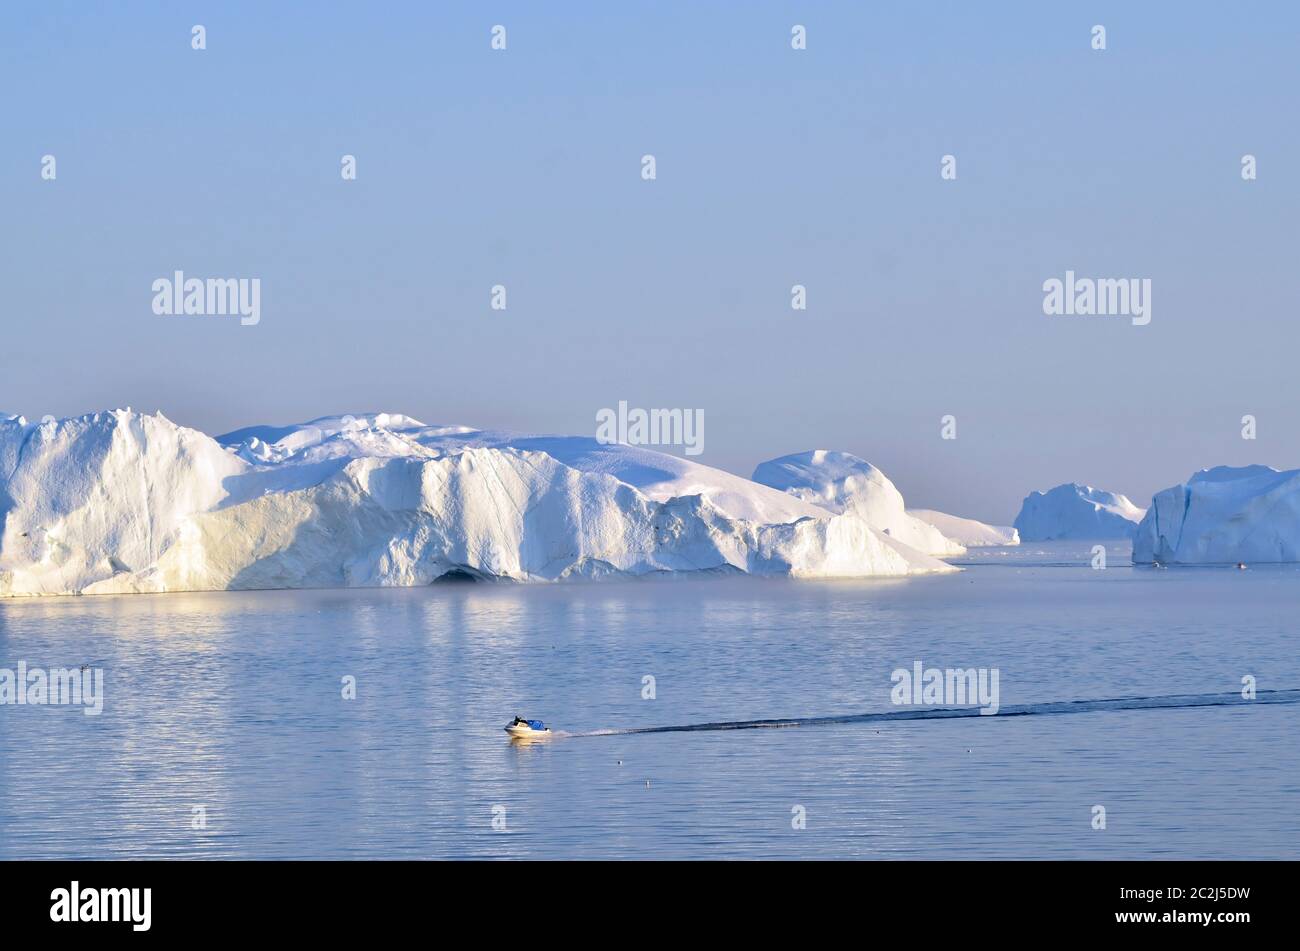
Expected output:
{"points": [[1185, 701]]}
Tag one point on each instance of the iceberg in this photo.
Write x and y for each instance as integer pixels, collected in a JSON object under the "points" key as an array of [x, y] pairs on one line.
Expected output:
{"points": [[841, 482], [1076, 511], [967, 531], [1225, 515], [118, 502]]}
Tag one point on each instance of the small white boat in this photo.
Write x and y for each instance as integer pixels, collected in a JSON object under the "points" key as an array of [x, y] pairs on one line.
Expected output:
{"points": [[527, 729]]}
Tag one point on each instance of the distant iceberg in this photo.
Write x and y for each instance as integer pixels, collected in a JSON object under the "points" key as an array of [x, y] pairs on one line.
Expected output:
{"points": [[1076, 511], [967, 531], [1227, 515], [120, 501], [843, 483]]}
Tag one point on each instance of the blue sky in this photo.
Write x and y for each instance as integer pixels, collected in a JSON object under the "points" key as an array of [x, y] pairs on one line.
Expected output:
{"points": [[775, 167]]}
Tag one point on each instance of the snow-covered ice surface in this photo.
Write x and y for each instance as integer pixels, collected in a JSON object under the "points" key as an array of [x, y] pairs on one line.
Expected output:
{"points": [[843, 483], [119, 501], [1225, 515], [1076, 511], [967, 531]]}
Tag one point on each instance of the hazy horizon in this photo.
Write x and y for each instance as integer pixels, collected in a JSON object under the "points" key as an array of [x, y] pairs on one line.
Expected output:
{"points": [[775, 167]]}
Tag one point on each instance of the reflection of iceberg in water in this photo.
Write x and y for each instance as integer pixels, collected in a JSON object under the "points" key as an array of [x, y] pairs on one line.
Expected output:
{"points": [[167, 779], [233, 701]]}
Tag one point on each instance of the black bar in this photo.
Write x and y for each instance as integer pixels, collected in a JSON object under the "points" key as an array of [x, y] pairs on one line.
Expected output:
{"points": [[332, 900]]}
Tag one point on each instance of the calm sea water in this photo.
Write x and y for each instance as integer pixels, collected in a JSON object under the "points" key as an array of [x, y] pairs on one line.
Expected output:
{"points": [[232, 703]]}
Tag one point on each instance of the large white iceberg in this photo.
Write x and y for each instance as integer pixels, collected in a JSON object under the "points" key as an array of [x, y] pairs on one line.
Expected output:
{"points": [[967, 531], [1076, 511], [841, 482], [1226, 515], [125, 502]]}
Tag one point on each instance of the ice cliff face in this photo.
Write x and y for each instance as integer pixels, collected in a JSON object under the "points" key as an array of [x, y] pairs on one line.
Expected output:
{"points": [[124, 502], [1076, 511], [843, 483], [91, 498], [1225, 515]]}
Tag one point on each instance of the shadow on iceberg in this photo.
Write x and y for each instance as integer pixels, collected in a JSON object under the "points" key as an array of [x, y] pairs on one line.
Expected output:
{"points": [[462, 575]]}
